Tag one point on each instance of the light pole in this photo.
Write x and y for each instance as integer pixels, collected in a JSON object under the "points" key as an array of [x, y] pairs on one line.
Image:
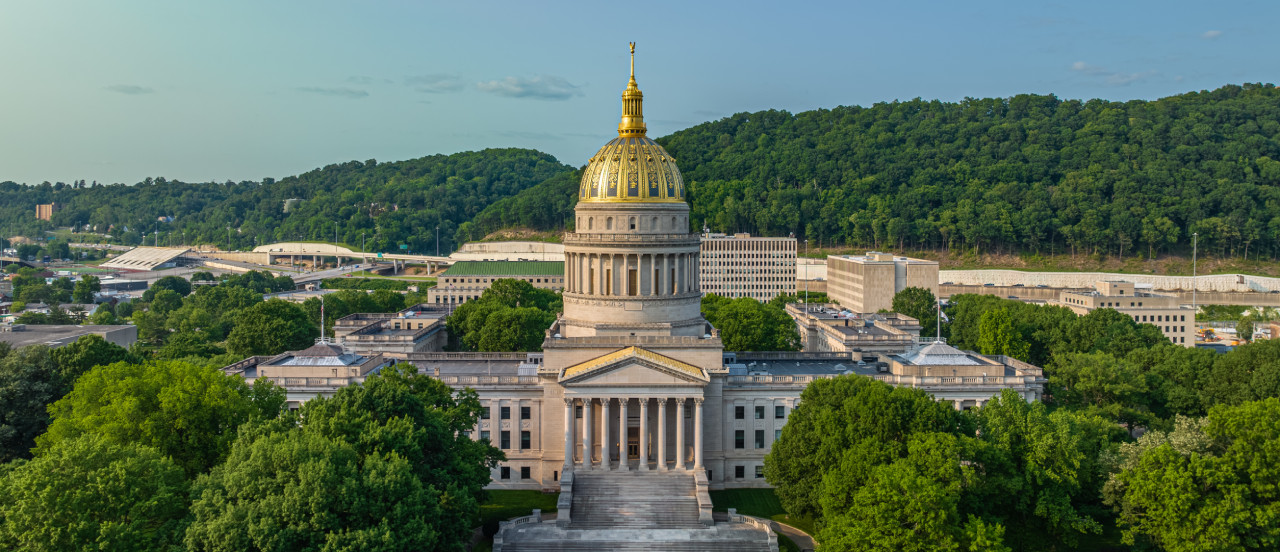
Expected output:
{"points": [[806, 276], [1195, 242], [437, 240], [363, 258]]}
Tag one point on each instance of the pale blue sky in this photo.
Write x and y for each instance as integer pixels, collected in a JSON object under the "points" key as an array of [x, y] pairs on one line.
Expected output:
{"points": [[119, 90]]}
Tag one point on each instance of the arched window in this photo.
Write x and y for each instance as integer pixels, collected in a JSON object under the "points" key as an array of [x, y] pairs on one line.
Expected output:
{"points": [[632, 223], [591, 223], [673, 224], [608, 223], [653, 224]]}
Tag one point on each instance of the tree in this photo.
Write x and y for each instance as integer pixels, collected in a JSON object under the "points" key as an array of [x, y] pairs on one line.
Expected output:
{"points": [[189, 413], [85, 288], [384, 465], [749, 325], [918, 303], [77, 357], [1102, 385], [997, 336], [29, 381], [271, 327], [93, 494], [1250, 372], [165, 301], [1215, 492], [504, 318], [1244, 329]]}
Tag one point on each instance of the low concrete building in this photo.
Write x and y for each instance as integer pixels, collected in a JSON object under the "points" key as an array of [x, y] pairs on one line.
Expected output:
{"points": [[867, 283], [1162, 311], [828, 328], [744, 266], [320, 370], [467, 280], [57, 335], [417, 329], [965, 378]]}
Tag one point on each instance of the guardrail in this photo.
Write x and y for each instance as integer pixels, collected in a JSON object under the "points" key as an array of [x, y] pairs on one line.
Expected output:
{"points": [[488, 380]]}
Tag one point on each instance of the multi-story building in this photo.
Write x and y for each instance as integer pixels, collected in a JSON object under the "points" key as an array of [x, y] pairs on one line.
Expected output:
{"points": [[417, 329], [1176, 322], [631, 377], [45, 211], [867, 283], [744, 266], [319, 370], [467, 280], [828, 328]]}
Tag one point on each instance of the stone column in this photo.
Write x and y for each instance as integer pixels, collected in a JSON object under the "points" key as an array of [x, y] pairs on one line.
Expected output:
{"points": [[680, 423], [587, 429], [662, 434], [568, 434], [644, 434], [622, 434], [606, 445], [697, 433]]}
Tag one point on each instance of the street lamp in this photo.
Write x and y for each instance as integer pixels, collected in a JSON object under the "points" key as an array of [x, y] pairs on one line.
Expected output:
{"points": [[437, 240], [1195, 242]]}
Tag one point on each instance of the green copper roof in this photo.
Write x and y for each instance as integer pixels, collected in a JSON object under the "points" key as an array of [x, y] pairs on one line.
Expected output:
{"points": [[505, 268]]}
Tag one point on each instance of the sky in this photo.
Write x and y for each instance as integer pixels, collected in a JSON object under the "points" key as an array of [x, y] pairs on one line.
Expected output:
{"points": [[240, 90]]}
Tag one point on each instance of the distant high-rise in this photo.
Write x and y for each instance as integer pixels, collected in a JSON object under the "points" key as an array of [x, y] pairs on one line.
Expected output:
{"points": [[45, 211], [867, 283], [744, 266]]}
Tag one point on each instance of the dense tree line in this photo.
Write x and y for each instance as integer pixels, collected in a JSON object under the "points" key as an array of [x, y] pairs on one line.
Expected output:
{"points": [[746, 324], [391, 204], [511, 315], [1027, 173]]}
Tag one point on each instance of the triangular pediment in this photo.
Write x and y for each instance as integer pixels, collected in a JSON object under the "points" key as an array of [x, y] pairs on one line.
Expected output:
{"points": [[634, 366]]}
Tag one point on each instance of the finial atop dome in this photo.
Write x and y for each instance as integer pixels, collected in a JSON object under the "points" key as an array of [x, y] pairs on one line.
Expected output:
{"points": [[632, 112]]}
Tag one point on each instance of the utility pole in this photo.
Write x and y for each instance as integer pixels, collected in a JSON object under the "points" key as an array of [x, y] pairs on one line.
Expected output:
{"points": [[1195, 283]]}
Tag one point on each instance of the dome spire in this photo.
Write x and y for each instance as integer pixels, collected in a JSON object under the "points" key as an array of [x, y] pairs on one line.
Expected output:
{"points": [[632, 112]]}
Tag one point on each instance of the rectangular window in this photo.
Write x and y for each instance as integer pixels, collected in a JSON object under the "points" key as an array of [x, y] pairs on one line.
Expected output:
{"points": [[777, 434], [484, 413], [577, 412], [779, 412], [484, 435], [506, 472], [506, 440], [506, 412], [526, 413], [759, 438], [739, 472], [759, 472], [759, 412], [739, 412], [524, 472], [739, 439], [525, 440]]}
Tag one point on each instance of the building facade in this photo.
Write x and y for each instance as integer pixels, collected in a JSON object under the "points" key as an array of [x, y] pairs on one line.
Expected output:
{"points": [[45, 211], [744, 266], [417, 329], [1176, 322], [867, 283], [467, 280], [631, 377]]}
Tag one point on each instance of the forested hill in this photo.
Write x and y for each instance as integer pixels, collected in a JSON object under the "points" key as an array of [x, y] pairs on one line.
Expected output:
{"points": [[1027, 173], [393, 204]]}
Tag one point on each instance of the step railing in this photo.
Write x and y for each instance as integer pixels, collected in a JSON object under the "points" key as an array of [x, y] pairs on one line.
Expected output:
{"points": [[735, 517], [500, 537], [565, 502], [703, 490]]}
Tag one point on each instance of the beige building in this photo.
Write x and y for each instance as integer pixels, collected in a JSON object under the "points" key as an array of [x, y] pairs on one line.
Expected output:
{"points": [[467, 280], [828, 328], [417, 329], [45, 211], [867, 283], [744, 266], [632, 381], [319, 370], [1144, 307]]}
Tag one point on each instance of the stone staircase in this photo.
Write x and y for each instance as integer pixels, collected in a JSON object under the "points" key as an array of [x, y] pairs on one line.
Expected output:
{"points": [[634, 500], [634, 511]]}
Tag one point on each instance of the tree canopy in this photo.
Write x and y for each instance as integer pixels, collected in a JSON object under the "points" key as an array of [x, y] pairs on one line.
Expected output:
{"points": [[746, 324], [511, 315]]}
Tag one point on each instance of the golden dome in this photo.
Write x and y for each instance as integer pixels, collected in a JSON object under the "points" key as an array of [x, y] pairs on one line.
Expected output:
{"points": [[631, 167]]}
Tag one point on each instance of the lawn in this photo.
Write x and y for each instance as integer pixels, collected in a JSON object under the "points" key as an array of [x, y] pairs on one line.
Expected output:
{"points": [[504, 505], [759, 503]]}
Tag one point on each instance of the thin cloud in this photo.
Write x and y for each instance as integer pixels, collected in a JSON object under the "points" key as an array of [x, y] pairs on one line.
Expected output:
{"points": [[538, 88], [360, 79], [339, 92], [1111, 78], [435, 83], [1210, 35], [131, 89]]}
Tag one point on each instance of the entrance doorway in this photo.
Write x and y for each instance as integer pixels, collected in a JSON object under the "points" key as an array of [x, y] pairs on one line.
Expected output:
{"points": [[633, 443]]}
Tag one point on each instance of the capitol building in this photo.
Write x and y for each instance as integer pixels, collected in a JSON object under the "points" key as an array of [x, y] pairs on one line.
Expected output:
{"points": [[631, 377]]}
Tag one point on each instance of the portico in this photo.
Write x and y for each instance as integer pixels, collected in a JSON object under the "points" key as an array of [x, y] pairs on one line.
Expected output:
{"points": [[625, 432]]}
